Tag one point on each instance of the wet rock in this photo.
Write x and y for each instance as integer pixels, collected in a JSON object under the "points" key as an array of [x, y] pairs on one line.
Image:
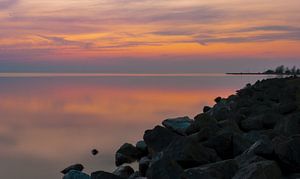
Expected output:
{"points": [[201, 121], [288, 153], [220, 170], [259, 170], [127, 154], [75, 174], [158, 139], [189, 153], [206, 133], [104, 175], [124, 171], [164, 168], [178, 125], [77, 167]]}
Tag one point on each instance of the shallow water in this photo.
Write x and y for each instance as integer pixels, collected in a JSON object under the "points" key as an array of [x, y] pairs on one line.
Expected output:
{"points": [[50, 121]]}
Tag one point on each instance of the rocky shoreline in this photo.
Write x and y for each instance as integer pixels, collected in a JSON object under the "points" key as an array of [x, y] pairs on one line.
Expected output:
{"points": [[254, 134]]}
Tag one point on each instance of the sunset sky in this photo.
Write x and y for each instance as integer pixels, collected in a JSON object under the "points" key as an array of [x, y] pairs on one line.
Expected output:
{"points": [[143, 36]]}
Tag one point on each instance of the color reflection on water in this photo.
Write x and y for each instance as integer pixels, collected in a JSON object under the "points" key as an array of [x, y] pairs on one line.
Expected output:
{"points": [[49, 123]]}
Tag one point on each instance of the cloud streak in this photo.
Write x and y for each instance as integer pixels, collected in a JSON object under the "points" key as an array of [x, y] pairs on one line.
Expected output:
{"points": [[5, 4]]}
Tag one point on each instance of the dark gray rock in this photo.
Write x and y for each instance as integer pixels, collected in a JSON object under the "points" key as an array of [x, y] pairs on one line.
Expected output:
{"points": [[124, 171], [75, 174], [206, 132], [201, 121], [220, 111], [144, 165], [136, 175], [239, 144], [293, 176], [158, 139], [178, 125], [259, 170], [220, 170], [127, 153], [142, 146], [189, 153], [77, 167], [218, 99], [288, 153], [104, 175], [222, 143], [164, 168], [206, 109], [229, 125], [287, 107], [245, 159], [290, 125], [262, 148], [252, 123]]}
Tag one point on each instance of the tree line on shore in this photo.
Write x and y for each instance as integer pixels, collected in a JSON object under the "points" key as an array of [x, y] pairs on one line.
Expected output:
{"points": [[284, 70]]}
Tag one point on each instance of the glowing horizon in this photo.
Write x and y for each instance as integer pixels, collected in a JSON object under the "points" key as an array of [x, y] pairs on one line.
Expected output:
{"points": [[100, 31]]}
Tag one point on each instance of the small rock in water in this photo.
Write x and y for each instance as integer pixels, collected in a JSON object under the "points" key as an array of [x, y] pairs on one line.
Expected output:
{"points": [[76, 167], [95, 151]]}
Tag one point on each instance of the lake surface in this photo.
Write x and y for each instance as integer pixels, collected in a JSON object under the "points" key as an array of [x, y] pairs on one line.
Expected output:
{"points": [[49, 121]]}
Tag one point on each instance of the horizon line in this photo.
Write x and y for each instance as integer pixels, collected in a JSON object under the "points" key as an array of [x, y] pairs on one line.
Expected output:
{"points": [[68, 74]]}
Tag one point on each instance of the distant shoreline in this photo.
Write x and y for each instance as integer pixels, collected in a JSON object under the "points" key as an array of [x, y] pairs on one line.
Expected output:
{"points": [[277, 74]]}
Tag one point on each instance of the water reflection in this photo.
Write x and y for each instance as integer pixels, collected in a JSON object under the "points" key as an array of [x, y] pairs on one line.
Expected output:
{"points": [[48, 123]]}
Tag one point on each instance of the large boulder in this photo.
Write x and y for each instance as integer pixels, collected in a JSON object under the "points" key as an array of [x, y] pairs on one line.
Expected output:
{"points": [[127, 153], [75, 174], [124, 171], [77, 167], [288, 153], [259, 170], [252, 123], [240, 143], [290, 125], [142, 146], [222, 144], [178, 125], [287, 107], [262, 148], [190, 153], [158, 139], [104, 175], [206, 132], [220, 170], [164, 168], [220, 111], [201, 121], [230, 125]]}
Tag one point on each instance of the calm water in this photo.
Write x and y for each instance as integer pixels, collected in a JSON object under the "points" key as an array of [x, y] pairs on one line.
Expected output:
{"points": [[50, 121]]}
